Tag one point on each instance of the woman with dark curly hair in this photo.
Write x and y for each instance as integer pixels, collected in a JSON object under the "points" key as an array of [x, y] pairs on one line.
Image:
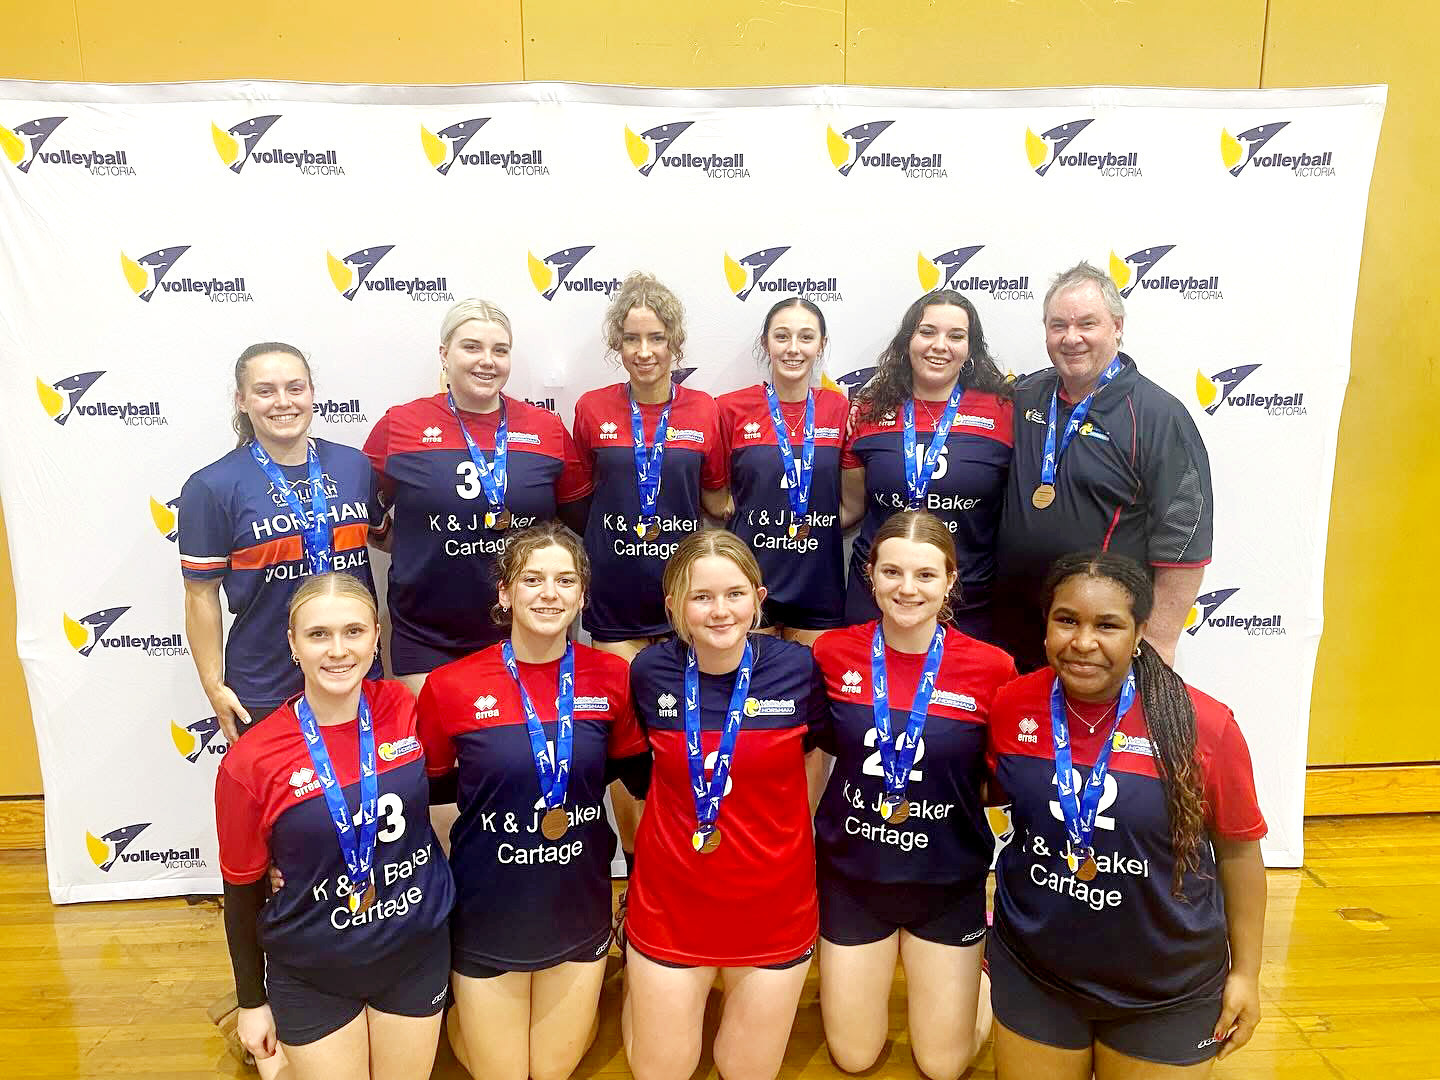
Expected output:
{"points": [[931, 431]]}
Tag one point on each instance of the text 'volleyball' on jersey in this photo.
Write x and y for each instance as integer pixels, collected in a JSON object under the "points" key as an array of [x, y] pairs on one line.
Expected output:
{"points": [[852, 148], [1134, 272], [152, 272], [943, 271], [355, 274], [239, 145], [449, 146], [1051, 149], [22, 147]]}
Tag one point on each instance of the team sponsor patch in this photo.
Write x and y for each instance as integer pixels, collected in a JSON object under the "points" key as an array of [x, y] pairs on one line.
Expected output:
{"points": [[592, 704], [1121, 743], [769, 707], [827, 433], [975, 421], [685, 435], [389, 751], [954, 701], [524, 437]]}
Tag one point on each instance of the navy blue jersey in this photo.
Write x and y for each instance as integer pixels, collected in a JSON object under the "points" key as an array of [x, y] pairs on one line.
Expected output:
{"points": [[752, 901], [1135, 480], [522, 899], [806, 576], [946, 838], [442, 561], [1121, 939], [236, 528], [269, 807], [965, 490], [626, 599]]}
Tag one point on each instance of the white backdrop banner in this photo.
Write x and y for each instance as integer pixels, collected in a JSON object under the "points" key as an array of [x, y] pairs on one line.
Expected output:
{"points": [[152, 232]]}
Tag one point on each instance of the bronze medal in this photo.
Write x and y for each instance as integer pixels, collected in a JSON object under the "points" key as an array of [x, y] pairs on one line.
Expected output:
{"points": [[650, 530], [1088, 869], [799, 531], [555, 823], [895, 812], [705, 839], [499, 520], [1043, 496], [362, 904]]}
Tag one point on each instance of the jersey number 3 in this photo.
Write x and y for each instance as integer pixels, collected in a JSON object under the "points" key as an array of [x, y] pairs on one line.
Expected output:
{"points": [[390, 811]]}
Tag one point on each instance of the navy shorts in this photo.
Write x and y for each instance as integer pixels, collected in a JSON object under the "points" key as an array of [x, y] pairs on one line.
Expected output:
{"points": [[475, 968], [861, 912], [311, 1003], [784, 965], [1178, 1034]]}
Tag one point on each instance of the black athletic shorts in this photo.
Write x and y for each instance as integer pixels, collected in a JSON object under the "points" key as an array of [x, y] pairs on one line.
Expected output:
{"points": [[1178, 1034], [860, 912], [311, 1003], [473, 968]]}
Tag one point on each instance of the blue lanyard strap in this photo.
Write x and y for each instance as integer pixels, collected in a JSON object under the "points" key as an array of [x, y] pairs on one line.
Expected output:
{"points": [[357, 850], [797, 474], [898, 755], [1079, 807], [707, 797], [554, 775], [918, 473], [315, 530], [493, 478], [1051, 461], [648, 459]]}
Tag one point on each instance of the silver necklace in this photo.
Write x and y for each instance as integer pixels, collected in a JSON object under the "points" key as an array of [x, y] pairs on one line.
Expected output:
{"points": [[1087, 723]]}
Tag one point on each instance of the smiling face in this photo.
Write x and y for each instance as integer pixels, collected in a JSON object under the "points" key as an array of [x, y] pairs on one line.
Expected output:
{"points": [[720, 606], [278, 397], [1090, 637], [476, 361], [911, 583], [1081, 336], [939, 348], [794, 342], [334, 639], [545, 596], [645, 354]]}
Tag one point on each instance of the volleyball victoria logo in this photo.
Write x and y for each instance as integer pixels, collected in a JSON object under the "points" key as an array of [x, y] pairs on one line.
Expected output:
{"points": [[1051, 149], [356, 273], [1206, 613], [239, 145], [22, 147], [942, 271], [1244, 153], [67, 398], [1134, 272], [553, 273], [744, 275], [654, 146], [1214, 391], [449, 146], [851, 148], [151, 273]]}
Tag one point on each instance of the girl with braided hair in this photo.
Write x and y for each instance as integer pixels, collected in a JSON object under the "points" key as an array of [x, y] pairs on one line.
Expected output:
{"points": [[1129, 907]]}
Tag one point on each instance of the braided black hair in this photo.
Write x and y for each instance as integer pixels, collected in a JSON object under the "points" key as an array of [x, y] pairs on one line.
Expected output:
{"points": [[1169, 712]]}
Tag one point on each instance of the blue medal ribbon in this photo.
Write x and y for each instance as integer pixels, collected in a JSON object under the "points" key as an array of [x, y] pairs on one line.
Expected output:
{"points": [[648, 459], [798, 475], [708, 796], [1051, 461], [554, 775], [898, 755], [494, 479], [315, 530], [1079, 807], [357, 850], [918, 473]]}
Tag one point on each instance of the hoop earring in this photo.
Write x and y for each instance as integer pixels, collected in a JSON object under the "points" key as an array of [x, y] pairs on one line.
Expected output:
{"points": [[295, 659], [1137, 652]]}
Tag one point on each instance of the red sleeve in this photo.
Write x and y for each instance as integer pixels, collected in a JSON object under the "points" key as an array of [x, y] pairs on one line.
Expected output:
{"points": [[625, 738], [240, 825], [727, 435], [715, 469], [377, 449], [430, 726], [1230, 801], [575, 480], [848, 458], [584, 444]]}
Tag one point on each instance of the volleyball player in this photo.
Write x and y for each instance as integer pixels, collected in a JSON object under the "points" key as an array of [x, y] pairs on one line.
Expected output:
{"points": [[724, 862], [1130, 906], [902, 841], [932, 431], [530, 729], [278, 507], [782, 439], [346, 966]]}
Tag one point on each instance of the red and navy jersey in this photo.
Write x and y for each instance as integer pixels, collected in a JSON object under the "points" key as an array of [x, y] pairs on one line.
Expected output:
{"points": [[236, 528], [522, 899], [965, 490], [626, 598], [443, 560], [1135, 480], [806, 576], [1121, 939], [752, 901], [269, 807], [946, 838]]}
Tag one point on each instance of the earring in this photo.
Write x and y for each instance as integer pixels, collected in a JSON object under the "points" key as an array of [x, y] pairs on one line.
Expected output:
{"points": [[1137, 652], [295, 659]]}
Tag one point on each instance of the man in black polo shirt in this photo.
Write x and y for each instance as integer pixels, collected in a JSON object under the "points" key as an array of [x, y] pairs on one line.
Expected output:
{"points": [[1133, 476]]}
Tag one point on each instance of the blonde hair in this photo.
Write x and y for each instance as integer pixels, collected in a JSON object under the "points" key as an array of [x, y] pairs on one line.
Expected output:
{"points": [[463, 311], [526, 543], [642, 290], [697, 545], [332, 584], [920, 527]]}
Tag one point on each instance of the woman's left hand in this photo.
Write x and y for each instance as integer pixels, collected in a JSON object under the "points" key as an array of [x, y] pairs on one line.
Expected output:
{"points": [[1239, 1013]]}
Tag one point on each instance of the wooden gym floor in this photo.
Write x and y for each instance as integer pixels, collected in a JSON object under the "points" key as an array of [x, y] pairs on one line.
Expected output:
{"points": [[1351, 979]]}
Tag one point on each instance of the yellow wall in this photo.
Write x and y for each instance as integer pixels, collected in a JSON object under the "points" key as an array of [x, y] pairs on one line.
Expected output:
{"points": [[1370, 700]]}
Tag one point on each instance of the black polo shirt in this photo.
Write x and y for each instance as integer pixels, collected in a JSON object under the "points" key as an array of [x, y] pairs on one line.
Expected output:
{"points": [[1135, 480]]}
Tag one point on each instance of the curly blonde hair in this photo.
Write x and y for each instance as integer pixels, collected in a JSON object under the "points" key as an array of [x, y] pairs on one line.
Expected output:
{"points": [[642, 290]]}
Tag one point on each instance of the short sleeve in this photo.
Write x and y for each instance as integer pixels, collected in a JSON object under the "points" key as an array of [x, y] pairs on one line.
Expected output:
{"points": [[430, 726], [575, 481], [820, 732], [376, 503], [848, 458], [239, 825], [204, 533], [715, 469], [624, 739], [1179, 496], [584, 446], [1232, 808]]}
